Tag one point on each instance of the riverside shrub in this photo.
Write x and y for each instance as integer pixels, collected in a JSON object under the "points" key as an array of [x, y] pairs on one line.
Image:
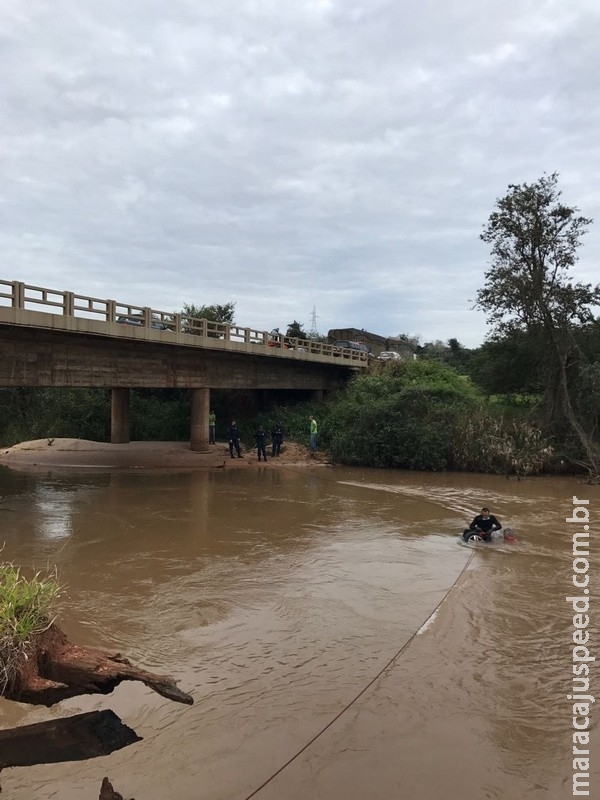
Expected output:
{"points": [[26, 606], [408, 417]]}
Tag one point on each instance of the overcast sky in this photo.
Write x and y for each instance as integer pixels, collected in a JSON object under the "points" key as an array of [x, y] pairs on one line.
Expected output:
{"points": [[288, 155]]}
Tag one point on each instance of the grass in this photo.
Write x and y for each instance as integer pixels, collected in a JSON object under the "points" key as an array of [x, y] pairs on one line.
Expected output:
{"points": [[25, 609]]}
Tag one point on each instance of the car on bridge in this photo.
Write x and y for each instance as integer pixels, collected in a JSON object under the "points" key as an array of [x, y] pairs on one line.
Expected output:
{"points": [[346, 344], [138, 321]]}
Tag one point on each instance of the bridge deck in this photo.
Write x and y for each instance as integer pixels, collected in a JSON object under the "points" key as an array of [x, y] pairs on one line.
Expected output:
{"points": [[52, 309]]}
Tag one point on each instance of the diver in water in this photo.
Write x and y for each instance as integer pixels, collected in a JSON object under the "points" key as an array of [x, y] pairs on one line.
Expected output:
{"points": [[483, 525]]}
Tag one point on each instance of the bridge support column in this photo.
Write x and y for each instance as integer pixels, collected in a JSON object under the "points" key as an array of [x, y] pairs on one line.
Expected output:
{"points": [[317, 395], [119, 416], [199, 427]]}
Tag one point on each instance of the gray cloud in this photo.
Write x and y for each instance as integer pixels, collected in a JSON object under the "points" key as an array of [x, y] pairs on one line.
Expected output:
{"points": [[286, 156]]}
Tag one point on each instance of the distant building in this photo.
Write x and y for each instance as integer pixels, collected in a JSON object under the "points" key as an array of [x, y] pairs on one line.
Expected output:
{"points": [[376, 344]]}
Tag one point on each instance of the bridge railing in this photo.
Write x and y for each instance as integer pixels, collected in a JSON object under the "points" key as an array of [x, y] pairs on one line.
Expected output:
{"points": [[27, 297]]}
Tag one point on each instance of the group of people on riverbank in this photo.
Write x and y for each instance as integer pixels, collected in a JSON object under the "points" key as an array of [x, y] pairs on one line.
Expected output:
{"points": [[260, 438]]}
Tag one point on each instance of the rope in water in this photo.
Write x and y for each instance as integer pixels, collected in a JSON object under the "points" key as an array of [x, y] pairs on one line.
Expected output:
{"points": [[363, 690]]}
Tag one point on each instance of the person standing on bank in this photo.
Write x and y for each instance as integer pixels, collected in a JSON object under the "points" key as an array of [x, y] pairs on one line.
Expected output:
{"points": [[261, 436], [234, 439], [313, 435], [212, 428], [277, 438], [483, 524]]}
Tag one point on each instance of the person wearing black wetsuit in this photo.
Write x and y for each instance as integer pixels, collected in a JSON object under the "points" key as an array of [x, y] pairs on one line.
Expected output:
{"points": [[483, 524]]}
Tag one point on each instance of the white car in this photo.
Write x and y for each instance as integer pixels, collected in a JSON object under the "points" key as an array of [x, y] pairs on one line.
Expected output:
{"points": [[389, 355]]}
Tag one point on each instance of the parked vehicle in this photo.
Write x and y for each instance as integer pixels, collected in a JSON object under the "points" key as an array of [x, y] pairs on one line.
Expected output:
{"points": [[138, 321], [490, 537], [350, 345], [389, 355]]}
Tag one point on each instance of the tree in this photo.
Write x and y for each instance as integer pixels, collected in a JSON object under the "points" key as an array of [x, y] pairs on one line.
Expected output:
{"points": [[506, 365], [534, 239], [432, 351], [451, 352], [295, 331], [213, 313]]}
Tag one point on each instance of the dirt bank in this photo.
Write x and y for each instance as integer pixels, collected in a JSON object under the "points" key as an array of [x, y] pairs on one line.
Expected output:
{"points": [[46, 453]]}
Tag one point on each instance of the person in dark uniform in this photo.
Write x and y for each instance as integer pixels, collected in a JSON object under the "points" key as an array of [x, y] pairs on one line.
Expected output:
{"points": [[261, 436], [483, 525], [234, 439], [277, 438]]}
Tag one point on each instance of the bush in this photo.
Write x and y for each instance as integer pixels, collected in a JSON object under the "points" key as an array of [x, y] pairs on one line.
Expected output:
{"points": [[25, 610], [487, 443], [39, 413], [406, 417], [159, 415]]}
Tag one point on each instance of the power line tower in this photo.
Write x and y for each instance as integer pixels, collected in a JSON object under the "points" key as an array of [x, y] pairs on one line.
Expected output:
{"points": [[313, 321]]}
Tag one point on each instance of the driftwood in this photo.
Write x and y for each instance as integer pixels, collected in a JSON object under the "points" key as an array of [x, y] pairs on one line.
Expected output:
{"points": [[108, 793], [95, 733], [55, 669]]}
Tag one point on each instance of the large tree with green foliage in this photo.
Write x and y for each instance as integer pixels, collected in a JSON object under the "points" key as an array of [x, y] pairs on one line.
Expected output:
{"points": [[451, 352], [506, 365], [534, 239], [213, 313]]}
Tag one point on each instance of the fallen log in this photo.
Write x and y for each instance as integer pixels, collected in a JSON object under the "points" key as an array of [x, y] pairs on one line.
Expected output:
{"points": [[52, 669], [108, 793], [88, 735]]}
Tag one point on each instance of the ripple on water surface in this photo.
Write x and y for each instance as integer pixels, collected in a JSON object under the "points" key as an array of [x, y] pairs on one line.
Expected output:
{"points": [[275, 600]]}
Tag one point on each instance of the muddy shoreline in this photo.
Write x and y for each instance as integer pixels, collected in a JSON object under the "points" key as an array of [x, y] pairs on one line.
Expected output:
{"points": [[83, 453]]}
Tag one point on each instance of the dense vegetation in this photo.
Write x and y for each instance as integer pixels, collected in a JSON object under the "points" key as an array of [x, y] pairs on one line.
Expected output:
{"points": [[423, 415]]}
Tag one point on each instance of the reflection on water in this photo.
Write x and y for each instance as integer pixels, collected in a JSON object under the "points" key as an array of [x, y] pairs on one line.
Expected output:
{"points": [[275, 597]]}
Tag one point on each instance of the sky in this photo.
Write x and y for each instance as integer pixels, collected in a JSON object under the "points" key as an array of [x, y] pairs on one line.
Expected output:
{"points": [[290, 157]]}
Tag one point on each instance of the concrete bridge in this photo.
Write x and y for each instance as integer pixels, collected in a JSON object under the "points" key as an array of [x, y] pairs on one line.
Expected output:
{"points": [[52, 338]]}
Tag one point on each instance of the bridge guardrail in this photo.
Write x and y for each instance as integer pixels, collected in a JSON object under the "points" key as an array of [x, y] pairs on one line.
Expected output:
{"points": [[18, 295]]}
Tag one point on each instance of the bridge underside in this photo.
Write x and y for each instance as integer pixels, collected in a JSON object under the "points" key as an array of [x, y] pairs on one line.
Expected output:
{"points": [[44, 358]]}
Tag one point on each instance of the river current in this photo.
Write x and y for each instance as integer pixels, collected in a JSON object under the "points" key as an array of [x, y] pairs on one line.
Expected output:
{"points": [[339, 641]]}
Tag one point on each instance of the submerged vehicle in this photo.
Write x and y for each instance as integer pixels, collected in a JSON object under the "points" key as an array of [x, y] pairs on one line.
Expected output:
{"points": [[489, 537]]}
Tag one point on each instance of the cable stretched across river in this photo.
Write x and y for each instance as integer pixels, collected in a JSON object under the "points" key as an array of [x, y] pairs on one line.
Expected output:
{"points": [[363, 690]]}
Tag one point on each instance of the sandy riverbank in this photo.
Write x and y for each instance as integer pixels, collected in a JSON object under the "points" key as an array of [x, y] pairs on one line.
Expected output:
{"points": [[143, 455]]}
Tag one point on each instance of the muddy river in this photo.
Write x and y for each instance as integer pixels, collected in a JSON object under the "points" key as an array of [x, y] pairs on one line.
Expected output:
{"points": [[338, 640]]}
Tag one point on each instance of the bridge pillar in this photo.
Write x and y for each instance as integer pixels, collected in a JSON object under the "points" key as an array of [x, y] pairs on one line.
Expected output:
{"points": [[199, 427], [119, 416], [317, 395]]}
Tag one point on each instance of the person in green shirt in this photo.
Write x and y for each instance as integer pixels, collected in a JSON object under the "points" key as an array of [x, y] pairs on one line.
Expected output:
{"points": [[212, 428], [313, 435]]}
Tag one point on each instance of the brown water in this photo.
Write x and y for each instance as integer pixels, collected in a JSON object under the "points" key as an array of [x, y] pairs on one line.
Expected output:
{"points": [[276, 597]]}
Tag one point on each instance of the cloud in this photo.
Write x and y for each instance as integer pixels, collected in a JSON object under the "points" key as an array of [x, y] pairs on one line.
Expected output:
{"points": [[284, 156]]}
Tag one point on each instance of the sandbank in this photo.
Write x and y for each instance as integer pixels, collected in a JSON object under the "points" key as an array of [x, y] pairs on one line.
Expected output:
{"points": [[83, 453]]}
